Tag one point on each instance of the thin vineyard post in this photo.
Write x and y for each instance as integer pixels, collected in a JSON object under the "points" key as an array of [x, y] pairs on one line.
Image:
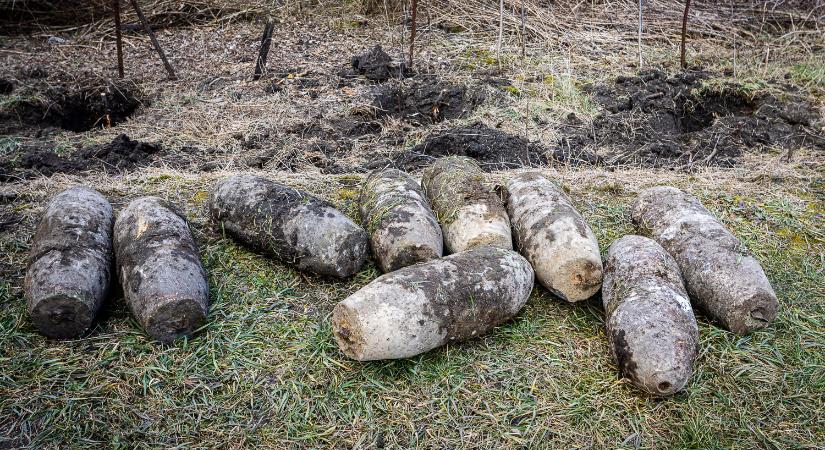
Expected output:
{"points": [[684, 34], [154, 40], [641, 8], [118, 38], [412, 30], [266, 42]]}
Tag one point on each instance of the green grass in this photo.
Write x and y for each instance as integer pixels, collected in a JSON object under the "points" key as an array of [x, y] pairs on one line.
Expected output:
{"points": [[265, 370], [809, 73]]}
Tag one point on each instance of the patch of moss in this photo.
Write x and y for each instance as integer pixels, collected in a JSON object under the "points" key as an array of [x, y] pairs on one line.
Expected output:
{"points": [[200, 197], [348, 194], [480, 57]]}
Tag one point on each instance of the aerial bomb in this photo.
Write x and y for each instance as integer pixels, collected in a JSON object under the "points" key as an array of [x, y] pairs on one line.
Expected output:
{"points": [[722, 277], [160, 270], [290, 225], [70, 263], [471, 214], [402, 227], [421, 307], [554, 237], [650, 324]]}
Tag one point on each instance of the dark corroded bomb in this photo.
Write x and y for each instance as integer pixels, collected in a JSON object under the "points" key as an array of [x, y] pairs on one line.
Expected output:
{"points": [[70, 263], [160, 270], [290, 225], [403, 229], [650, 324], [554, 237], [421, 307], [471, 214], [723, 278]]}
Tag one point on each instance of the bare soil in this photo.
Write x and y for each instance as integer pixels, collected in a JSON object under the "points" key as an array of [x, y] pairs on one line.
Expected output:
{"points": [[657, 120], [493, 149], [376, 65], [120, 154], [425, 101], [75, 107]]}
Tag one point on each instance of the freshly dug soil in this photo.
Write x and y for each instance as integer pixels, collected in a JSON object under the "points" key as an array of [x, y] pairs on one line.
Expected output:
{"points": [[120, 154], [684, 120], [375, 65], [70, 109], [492, 149], [424, 102]]}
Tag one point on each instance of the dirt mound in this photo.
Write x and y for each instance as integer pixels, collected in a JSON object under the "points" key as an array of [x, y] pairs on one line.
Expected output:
{"points": [[375, 65], [685, 120], [493, 149], [425, 102], [70, 109], [120, 154]]}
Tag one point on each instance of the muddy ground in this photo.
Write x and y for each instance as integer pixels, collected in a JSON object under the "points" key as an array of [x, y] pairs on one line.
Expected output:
{"points": [[32, 103], [493, 149], [119, 155], [687, 118]]}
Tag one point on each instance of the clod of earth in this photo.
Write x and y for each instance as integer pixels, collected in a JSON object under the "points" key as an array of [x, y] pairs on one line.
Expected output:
{"points": [[686, 120], [424, 102], [403, 229], [70, 263], [424, 306], [470, 212], [554, 237], [723, 278], [120, 154], [163, 281], [650, 325], [71, 109], [492, 149], [290, 225], [376, 65]]}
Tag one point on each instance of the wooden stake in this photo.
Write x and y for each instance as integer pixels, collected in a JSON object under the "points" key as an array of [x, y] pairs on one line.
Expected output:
{"points": [[154, 40], [684, 34], [500, 31], [641, 7], [118, 38], [523, 36], [412, 31], [266, 42]]}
